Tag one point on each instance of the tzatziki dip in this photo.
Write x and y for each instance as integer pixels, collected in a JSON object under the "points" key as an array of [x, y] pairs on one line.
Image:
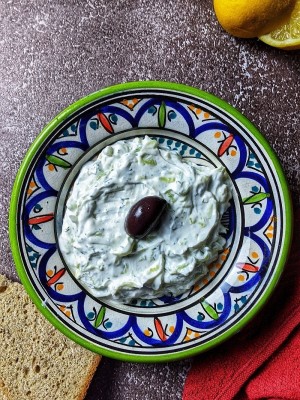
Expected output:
{"points": [[110, 263]]}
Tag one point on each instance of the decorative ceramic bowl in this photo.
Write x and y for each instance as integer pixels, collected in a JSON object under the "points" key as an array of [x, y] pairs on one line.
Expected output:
{"points": [[200, 127]]}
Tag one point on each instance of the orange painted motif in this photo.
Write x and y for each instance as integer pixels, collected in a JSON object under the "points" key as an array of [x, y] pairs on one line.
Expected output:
{"points": [[247, 267], [147, 332], [56, 277], [41, 219], [225, 145], [191, 335], [130, 103], [105, 122], [66, 311], [51, 167], [196, 111], [159, 329]]}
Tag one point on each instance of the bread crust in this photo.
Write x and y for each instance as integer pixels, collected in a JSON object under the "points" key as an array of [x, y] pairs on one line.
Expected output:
{"points": [[36, 360]]}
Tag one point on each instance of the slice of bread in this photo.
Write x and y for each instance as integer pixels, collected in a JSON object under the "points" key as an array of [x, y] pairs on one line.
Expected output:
{"points": [[36, 360]]}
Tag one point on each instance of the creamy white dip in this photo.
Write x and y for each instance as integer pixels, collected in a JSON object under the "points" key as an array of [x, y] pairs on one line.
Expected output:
{"points": [[111, 264]]}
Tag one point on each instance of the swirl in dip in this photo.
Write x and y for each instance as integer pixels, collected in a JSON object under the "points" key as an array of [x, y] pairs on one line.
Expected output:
{"points": [[111, 264]]}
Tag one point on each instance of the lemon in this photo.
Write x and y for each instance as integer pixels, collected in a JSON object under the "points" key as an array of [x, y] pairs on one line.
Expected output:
{"points": [[252, 18], [287, 36]]}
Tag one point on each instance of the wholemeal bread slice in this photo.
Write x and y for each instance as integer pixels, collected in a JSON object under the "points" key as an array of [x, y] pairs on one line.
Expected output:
{"points": [[36, 360]]}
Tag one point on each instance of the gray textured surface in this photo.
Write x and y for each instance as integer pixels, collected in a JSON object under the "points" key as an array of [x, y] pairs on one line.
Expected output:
{"points": [[54, 52]]}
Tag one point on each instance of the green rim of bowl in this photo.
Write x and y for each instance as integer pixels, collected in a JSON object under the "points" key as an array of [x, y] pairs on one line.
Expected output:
{"points": [[13, 231]]}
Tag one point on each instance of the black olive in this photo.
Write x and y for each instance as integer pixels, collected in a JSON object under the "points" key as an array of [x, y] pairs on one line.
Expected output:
{"points": [[144, 216]]}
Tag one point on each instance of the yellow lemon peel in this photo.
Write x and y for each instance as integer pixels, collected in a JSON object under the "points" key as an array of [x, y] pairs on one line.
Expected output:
{"points": [[286, 36], [246, 19]]}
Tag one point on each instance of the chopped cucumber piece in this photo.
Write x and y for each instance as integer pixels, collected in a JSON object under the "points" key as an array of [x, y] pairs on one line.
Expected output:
{"points": [[166, 179]]}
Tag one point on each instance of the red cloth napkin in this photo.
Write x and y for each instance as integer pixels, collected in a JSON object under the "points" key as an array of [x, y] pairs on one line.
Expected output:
{"points": [[263, 360]]}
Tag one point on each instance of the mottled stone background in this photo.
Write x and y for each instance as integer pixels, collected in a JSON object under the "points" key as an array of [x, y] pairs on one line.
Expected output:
{"points": [[53, 52]]}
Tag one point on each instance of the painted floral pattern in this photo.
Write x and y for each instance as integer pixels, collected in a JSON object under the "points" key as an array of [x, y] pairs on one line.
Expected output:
{"points": [[197, 130]]}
